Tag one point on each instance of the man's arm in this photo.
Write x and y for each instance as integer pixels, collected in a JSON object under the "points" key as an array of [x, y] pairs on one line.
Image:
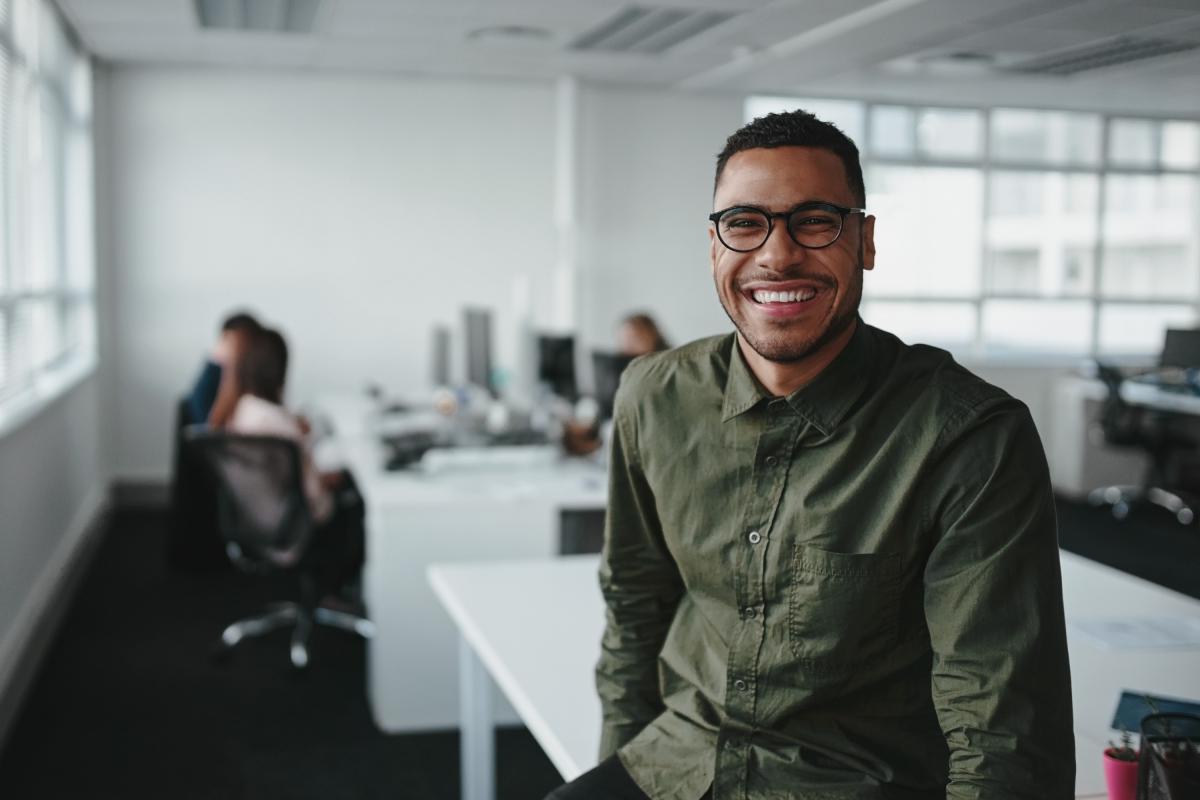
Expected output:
{"points": [[641, 587], [993, 604], [204, 393]]}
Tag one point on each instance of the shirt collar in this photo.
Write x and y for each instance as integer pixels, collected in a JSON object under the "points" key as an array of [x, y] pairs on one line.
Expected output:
{"points": [[825, 401]]}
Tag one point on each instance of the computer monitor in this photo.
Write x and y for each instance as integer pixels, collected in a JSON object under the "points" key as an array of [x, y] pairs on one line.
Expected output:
{"points": [[606, 371], [556, 365], [440, 356], [1181, 348], [477, 324]]}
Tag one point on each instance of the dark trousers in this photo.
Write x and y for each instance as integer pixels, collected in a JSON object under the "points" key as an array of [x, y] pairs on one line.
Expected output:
{"points": [[336, 553], [607, 781]]}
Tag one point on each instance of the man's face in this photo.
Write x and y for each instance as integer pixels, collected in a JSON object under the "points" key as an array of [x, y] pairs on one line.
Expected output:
{"points": [[827, 283]]}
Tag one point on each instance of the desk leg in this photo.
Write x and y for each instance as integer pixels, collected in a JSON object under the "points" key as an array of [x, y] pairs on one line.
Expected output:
{"points": [[477, 727]]}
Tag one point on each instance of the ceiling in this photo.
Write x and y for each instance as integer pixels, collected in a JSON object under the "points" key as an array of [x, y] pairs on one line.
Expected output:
{"points": [[947, 51]]}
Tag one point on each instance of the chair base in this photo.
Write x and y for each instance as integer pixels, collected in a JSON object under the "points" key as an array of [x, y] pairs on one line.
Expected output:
{"points": [[301, 619], [1123, 498]]}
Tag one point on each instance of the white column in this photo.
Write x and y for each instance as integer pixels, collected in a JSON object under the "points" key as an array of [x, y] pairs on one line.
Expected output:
{"points": [[564, 310]]}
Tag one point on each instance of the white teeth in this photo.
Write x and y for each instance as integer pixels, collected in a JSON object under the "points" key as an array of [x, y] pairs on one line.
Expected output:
{"points": [[763, 296]]}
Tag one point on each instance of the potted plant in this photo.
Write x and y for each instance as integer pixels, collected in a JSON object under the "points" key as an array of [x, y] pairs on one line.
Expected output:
{"points": [[1121, 768]]}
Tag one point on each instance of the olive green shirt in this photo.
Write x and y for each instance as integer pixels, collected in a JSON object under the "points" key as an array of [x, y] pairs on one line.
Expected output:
{"points": [[850, 592]]}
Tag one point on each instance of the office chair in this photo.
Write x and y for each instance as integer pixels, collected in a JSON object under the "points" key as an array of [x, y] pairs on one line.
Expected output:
{"points": [[267, 527], [193, 542], [1125, 425]]}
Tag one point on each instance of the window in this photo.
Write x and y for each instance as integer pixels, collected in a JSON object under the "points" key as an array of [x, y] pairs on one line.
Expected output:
{"points": [[47, 253], [1059, 233]]}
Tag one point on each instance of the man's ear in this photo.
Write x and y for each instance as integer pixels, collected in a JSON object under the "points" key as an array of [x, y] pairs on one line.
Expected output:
{"points": [[712, 246], [868, 242]]}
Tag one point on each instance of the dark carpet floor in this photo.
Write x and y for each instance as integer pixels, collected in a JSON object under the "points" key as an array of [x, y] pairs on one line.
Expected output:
{"points": [[129, 704], [1149, 543]]}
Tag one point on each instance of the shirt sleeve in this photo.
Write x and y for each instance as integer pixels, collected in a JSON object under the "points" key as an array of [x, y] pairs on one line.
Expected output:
{"points": [[204, 392], [641, 587], [993, 605]]}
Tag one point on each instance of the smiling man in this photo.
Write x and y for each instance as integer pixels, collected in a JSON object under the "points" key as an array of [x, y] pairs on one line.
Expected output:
{"points": [[830, 563]]}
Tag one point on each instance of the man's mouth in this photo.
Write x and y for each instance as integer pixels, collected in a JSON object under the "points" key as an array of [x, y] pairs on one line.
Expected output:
{"points": [[766, 297]]}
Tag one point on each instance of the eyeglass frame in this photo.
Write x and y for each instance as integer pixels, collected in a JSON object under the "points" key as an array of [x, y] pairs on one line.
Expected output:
{"points": [[715, 217]]}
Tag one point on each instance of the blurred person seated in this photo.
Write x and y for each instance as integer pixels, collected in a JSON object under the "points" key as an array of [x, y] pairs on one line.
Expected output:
{"points": [[193, 544], [637, 335], [333, 498], [214, 386]]}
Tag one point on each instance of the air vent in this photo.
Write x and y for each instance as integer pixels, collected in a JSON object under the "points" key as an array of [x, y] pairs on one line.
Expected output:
{"points": [[1108, 53], [264, 16], [640, 29]]}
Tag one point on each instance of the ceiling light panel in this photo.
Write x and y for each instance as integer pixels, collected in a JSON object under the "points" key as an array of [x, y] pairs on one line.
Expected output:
{"points": [[644, 29], [1108, 53], [264, 16]]}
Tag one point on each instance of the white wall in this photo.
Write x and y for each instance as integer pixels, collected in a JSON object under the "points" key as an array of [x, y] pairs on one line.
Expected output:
{"points": [[646, 170], [53, 484], [354, 212]]}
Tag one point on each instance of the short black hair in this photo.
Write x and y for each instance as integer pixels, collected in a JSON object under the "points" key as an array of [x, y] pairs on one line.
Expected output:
{"points": [[262, 365], [241, 321], [796, 129]]}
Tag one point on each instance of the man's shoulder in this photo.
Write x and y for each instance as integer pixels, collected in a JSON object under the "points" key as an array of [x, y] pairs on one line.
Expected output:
{"points": [[678, 377], [941, 384], [700, 360]]}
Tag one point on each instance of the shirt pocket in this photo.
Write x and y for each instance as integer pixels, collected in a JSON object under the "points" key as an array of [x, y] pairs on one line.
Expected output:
{"points": [[843, 608]]}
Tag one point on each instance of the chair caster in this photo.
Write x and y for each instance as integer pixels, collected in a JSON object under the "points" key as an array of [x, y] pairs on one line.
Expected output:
{"points": [[1120, 510], [1185, 516], [299, 654]]}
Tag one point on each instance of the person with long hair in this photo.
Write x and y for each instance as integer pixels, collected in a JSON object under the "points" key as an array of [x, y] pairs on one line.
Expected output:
{"points": [[214, 391], [333, 498], [638, 334]]}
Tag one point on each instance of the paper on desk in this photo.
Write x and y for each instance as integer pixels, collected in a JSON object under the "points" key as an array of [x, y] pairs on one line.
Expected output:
{"points": [[1141, 633]]}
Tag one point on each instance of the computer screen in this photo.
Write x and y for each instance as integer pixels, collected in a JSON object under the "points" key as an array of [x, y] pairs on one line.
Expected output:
{"points": [[606, 370], [440, 356], [477, 323], [1181, 348], [556, 365]]}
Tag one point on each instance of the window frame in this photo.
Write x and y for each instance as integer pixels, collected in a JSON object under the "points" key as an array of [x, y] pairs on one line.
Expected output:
{"points": [[49, 62], [988, 166]]}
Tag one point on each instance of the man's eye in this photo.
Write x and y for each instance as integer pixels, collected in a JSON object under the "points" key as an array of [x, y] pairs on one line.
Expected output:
{"points": [[744, 222], [814, 222]]}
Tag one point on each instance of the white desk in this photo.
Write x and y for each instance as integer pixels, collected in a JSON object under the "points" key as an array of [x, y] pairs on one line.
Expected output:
{"points": [[545, 668], [415, 519], [1150, 395]]}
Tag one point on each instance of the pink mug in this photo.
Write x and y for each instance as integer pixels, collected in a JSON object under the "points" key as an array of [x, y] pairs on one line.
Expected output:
{"points": [[1121, 777]]}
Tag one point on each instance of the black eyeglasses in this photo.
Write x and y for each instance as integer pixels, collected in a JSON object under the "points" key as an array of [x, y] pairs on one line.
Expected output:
{"points": [[811, 225]]}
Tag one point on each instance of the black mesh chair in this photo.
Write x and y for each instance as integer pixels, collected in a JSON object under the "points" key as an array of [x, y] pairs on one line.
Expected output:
{"points": [[264, 518], [193, 541], [1124, 425]]}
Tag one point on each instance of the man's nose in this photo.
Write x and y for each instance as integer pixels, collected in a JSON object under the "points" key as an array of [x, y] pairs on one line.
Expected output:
{"points": [[779, 252]]}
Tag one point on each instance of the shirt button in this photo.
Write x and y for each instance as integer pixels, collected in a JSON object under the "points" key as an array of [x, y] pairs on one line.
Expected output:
{"points": [[749, 612], [772, 461], [755, 537], [740, 685]]}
